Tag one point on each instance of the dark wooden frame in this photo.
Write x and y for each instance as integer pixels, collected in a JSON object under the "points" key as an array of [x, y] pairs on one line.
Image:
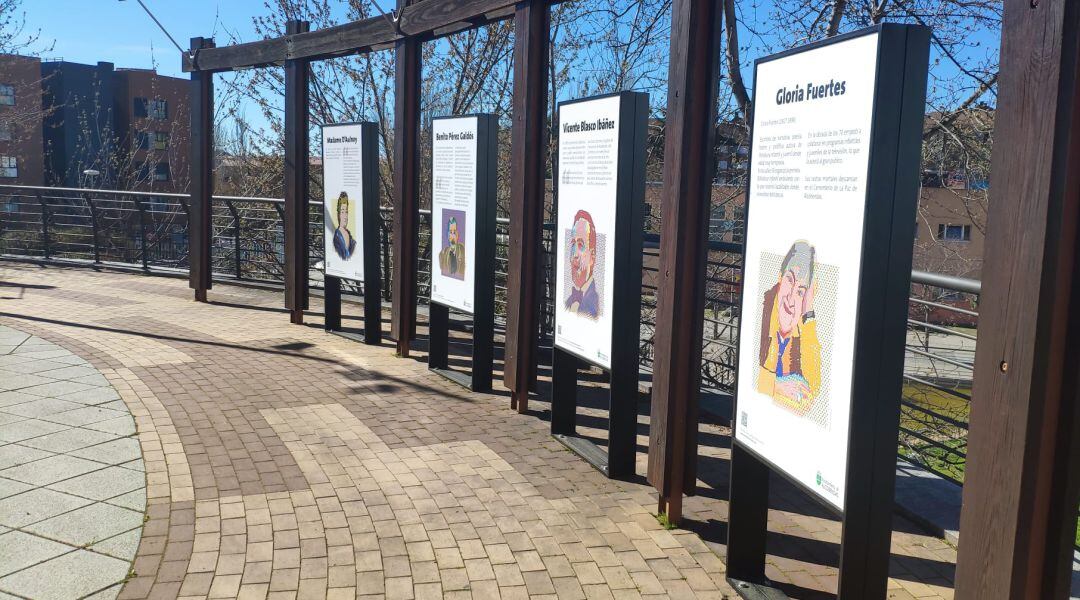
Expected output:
{"points": [[689, 135], [200, 230], [483, 269], [369, 207], [297, 183], [620, 459], [880, 333], [1022, 478]]}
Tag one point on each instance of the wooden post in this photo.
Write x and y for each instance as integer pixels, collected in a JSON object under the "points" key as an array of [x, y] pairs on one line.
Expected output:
{"points": [[528, 166], [406, 189], [201, 213], [1023, 469], [296, 180], [689, 134]]}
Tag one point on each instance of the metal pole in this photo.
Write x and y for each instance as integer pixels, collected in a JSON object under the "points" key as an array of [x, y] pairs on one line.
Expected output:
{"points": [[44, 226], [296, 180], [236, 238], [200, 213]]}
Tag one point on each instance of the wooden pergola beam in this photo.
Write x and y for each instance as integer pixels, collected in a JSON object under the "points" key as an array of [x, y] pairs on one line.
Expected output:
{"points": [[200, 215], [297, 75], [428, 19], [1023, 469], [528, 170], [406, 198], [690, 130]]}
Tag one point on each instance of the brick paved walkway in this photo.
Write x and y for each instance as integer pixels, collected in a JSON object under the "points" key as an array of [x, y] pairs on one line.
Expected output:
{"points": [[285, 462]]}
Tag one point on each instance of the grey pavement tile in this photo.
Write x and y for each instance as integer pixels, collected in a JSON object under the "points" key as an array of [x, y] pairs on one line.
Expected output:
{"points": [[115, 405], [6, 418], [87, 525], [14, 359], [7, 349], [29, 507], [50, 470], [55, 389], [9, 487], [19, 550], [22, 381], [9, 398], [99, 485], [109, 593], [36, 352], [97, 380], [13, 455], [70, 359], [27, 429], [41, 407], [93, 396], [135, 500], [83, 415], [124, 425], [70, 372], [135, 465], [115, 452], [123, 546], [31, 367], [69, 439], [72, 575]]}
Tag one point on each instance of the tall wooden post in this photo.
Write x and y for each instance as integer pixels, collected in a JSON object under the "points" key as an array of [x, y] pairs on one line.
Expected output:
{"points": [[296, 180], [1023, 469], [201, 213], [688, 172], [528, 167], [406, 189]]}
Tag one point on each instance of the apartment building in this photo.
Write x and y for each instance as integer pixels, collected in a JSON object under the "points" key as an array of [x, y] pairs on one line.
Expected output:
{"points": [[21, 116]]}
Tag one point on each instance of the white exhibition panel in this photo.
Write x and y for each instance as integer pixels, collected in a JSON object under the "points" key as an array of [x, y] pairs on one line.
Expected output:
{"points": [[807, 201], [585, 274], [343, 174], [453, 212]]}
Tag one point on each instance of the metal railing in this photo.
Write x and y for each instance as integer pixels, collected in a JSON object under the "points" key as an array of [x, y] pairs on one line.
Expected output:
{"points": [[149, 230]]}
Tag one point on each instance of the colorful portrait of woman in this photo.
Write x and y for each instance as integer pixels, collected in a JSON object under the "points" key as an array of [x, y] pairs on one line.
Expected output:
{"points": [[344, 242]]}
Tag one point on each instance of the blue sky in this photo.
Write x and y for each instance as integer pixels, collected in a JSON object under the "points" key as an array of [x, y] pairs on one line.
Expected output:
{"points": [[89, 31]]}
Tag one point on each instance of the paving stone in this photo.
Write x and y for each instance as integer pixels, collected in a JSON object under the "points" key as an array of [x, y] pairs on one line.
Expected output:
{"points": [[36, 505], [9, 487], [24, 430], [92, 396], [53, 389], [15, 397], [88, 525], [68, 440], [73, 575], [6, 418], [113, 452], [121, 546], [14, 455], [24, 382], [41, 407], [100, 485], [120, 426], [52, 469], [134, 500], [19, 550], [84, 415]]}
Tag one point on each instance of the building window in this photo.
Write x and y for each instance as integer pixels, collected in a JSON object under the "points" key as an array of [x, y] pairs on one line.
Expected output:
{"points": [[9, 167], [5, 132], [143, 140], [140, 107], [158, 109], [161, 140], [954, 233], [7, 94], [161, 172]]}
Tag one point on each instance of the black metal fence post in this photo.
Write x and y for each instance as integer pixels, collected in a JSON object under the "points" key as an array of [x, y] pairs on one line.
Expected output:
{"points": [[93, 226], [236, 237], [44, 226], [142, 233]]}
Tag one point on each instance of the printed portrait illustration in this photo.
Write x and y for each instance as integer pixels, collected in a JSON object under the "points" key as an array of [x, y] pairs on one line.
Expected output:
{"points": [[452, 254], [344, 242], [790, 352], [584, 260]]}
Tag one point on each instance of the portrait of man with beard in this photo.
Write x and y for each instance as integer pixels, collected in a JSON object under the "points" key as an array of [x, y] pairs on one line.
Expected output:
{"points": [[581, 255]]}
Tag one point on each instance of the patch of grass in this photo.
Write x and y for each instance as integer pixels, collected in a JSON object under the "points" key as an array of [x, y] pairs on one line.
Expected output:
{"points": [[662, 518]]}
